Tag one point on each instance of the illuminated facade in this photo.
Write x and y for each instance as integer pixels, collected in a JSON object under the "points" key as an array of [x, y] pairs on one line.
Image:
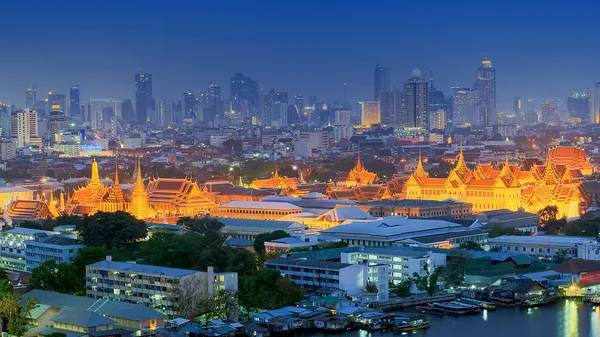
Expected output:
{"points": [[177, 197], [276, 182], [370, 113], [509, 188]]}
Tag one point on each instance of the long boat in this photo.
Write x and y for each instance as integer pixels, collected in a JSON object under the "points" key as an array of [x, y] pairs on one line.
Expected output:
{"points": [[426, 309], [406, 322], [481, 304], [456, 308], [503, 302]]}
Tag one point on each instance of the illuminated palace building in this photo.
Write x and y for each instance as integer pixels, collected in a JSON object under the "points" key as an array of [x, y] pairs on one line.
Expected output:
{"points": [[162, 197], [557, 182]]}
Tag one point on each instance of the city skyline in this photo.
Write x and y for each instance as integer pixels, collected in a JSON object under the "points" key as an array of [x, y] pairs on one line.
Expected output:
{"points": [[104, 72]]}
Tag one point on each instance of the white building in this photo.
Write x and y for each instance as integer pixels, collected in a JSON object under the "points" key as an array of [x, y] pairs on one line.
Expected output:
{"points": [[308, 141], [217, 141], [401, 263], [398, 231], [544, 247], [13, 247], [24, 126], [152, 286], [341, 131], [351, 278], [43, 248]]}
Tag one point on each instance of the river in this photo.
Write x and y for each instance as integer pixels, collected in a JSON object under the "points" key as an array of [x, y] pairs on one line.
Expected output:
{"points": [[566, 318]]}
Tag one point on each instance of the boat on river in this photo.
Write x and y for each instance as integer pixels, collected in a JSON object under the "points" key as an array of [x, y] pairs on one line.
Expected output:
{"points": [[481, 304], [406, 321], [426, 309], [503, 302], [457, 308]]}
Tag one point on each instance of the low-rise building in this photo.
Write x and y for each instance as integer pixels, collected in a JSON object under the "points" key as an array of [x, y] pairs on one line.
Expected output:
{"points": [[249, 229], [56, 311], [418, 208], [255, 210], [152, 286], [397, 231], [284, 245], [401, 263], [352, 278], [51, 247], [13, 246], [544, 247]]}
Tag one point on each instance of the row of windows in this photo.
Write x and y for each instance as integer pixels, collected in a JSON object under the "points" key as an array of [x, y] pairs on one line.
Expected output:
{"points": [[254, 211], [306, 270], [534, 250]]}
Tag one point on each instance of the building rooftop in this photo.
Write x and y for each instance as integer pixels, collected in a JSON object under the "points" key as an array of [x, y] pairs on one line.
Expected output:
{"points": [[59, 241], [541, 240], [411, 203], [141, 269], [446, 236], [28, 231], [261, 205], [307, 263], [258, 225], [101, 306], [80, 317], [577, 266]]}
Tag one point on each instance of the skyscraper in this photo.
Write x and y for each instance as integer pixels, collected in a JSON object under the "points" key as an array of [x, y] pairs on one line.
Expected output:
{"points": [[437, 101], [415, 102], [164, 112], [215, 102], [189, 107], [144, 100], [30, 96], [74, 103], [24, 126], [595, 104], [382, 81], [370, 113], [550, 113], [486, 85], [579, 106], [127, 111], [299, 103], [531, 116], [517, 109], [391, 107], [244, 88], [56, 98], [464, 101]]}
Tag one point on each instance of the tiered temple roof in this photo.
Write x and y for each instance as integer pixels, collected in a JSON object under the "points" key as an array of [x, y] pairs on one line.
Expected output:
{"points": [[177, 196]]}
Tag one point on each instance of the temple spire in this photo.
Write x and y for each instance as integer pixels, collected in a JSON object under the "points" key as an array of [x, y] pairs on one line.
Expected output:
{"points": [[358, 162], [549, 172], [116, 194], [420, 168], [461, 166], [61, 205], [95, 172], [139, 197], [51, 204], [276, 174]]}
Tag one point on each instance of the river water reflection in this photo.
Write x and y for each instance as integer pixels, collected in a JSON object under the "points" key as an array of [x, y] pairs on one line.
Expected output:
{"points": [[564, 319]]}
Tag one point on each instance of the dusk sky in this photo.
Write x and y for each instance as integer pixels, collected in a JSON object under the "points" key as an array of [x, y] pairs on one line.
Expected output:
{"points": [[540, 51]]}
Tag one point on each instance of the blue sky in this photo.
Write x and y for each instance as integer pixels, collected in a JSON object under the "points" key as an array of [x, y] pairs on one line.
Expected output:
{"points": [[542, 50]]}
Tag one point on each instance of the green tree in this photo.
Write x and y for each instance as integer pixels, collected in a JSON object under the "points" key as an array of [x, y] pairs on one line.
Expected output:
{"points": [[51, 276], [118, 230], [92, 254], [13, 312], [17, 325], [454, 272], [202, 226], [259, 242], [382, 168], [31, 225], [170, 250], [555, 227], [371, 288], [471, 245], [497, 231], [267, 289], [582, 227], [548, 213], [561, 256], [241, 261], [401, 289]]}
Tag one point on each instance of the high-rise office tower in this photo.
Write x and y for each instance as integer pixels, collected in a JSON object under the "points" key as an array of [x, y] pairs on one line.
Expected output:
{"points": [[215, 102], [370, 113], [437, 120], [74, 103], [127, 111], [164, 111], [391, 107], [518, 110], [299, 103], [486, 85], [56, 98], [24, 126], [594, 109], [437, 101], [144, 100], [382, 81], [531, 115], [415, 102], [550, 113], [189, 107], [57, 122], [579, 106], [5, 117], [464, 104], [244, 88], [30, 96]]}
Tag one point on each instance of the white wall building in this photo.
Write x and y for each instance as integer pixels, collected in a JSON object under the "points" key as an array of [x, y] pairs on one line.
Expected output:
{"points": [[24, 126], [544, 247]]}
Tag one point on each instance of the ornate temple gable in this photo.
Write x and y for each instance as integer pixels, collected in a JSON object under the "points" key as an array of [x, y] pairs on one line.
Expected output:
{"points": [[139, 198], [276, 181], [359, 175], [93, 192], [116, 193]]}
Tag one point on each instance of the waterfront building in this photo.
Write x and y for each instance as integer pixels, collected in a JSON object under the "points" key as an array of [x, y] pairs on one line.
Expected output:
{"points": [[351, 278], [544, 247], [136, 319], [129, 282], [512, 187], [398, 230], [401, 264], [44, 247], [255, 210], [416, 208]]}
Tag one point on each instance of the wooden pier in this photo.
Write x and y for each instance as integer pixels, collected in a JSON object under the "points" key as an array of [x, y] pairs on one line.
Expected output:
{"points": [[412, 301]]}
